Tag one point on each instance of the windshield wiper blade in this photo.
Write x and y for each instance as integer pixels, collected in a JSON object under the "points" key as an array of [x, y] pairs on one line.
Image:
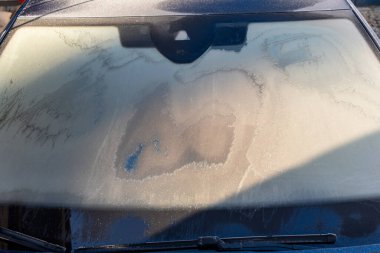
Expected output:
{"points": [[217, 243], [29, 241]]}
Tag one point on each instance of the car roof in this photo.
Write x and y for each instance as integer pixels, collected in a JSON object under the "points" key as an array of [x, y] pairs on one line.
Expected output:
{"points": [[121, 8]]}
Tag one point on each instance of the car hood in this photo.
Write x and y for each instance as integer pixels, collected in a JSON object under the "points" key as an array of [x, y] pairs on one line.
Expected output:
{"points": [[121, 8]]}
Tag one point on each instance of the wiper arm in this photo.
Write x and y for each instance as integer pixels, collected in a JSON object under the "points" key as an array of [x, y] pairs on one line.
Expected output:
{"points": [[11, 22], [28, 241], [217, 243]]}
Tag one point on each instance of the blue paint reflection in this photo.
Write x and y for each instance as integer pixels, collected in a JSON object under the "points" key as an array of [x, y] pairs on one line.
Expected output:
{"points": [[133, 158]]}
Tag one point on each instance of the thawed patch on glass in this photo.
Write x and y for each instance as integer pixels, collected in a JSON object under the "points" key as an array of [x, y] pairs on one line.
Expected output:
{"points": [[154, 143], [291, 117]]}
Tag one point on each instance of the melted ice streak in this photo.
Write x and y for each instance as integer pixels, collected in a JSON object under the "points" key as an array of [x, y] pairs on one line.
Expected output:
{"points": [[84, 121]]}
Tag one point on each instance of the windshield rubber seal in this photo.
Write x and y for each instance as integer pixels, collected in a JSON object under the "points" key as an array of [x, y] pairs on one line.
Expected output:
{"points": [[365, 24]]}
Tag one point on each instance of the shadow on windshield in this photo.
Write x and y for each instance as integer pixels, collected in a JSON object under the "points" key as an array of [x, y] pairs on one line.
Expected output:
{"points": [[355, 221]]}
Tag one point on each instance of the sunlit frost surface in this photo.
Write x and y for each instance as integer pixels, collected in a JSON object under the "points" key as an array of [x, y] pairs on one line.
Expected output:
{"points": [[293, 117]]}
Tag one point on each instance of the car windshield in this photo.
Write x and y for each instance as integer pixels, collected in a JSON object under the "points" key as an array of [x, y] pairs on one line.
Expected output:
{"points": [[151, 128]]}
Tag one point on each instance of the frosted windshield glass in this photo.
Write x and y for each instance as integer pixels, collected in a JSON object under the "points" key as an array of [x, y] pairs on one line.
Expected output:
{"points": [[291, 117]]}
